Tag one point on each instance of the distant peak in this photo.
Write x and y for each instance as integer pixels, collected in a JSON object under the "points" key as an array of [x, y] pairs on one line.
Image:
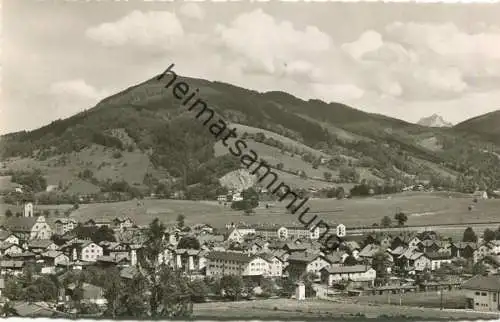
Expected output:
{"points": [[434, 120]]}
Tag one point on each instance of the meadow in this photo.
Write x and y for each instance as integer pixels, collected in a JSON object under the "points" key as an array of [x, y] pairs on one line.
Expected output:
{"points": [[280, 308], [421, 208]]}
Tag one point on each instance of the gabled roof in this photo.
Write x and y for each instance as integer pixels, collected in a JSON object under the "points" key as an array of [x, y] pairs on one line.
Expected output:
{"points": [[11, 264], [483, 283], [346, 269], [20, 224], [4, 234], [369, 250], [40, 243], [4, 245], [304, 257], [463, 245], [230, 256], [438, 255], [52, 254]]}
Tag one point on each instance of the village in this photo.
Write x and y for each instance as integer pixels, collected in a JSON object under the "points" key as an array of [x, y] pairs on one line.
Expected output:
{"points": [[260, 261]]}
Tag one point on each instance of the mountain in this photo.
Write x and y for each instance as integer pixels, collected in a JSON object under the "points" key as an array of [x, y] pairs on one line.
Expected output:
{"points": [[144, 138], [434, 121], [486, 126]]}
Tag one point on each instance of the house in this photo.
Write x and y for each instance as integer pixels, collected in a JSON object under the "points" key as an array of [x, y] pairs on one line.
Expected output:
{"points": [[41, 245], [276, 264], [8, 237], [9, 249], [28, 228], [187, 259], [123, 223], [11, 267], [54, 258], [233, 263], [483, 293], [234, 235], [368, 252], [438, 259], [306, 262], [64, 225], [222, 198], [357, 273], [422, 263], [84, 250], [414, 242], [91, 293], [286, 232], [481, 252], [480, 195], [257, 246], [101, 222], [463, 249], [494, 246]]}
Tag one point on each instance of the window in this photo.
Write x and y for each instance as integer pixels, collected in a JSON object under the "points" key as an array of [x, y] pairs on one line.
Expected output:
{"points": [[483, 294], [477, 293], [494, 297]]}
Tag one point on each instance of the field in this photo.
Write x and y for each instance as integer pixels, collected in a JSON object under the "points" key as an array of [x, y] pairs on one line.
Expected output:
{"points": [[131, 166], [451, 299], [421, 208], [285, 308]]}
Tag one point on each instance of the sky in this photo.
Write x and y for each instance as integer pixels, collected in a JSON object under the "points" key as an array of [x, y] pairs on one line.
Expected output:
{"points": [[404, 60]]}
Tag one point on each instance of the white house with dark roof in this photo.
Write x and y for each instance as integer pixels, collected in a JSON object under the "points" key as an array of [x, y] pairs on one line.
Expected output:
{"points": [[28, 228], [233, 263], [483, 293], [9, 249], [356, 273], [8, 237]]}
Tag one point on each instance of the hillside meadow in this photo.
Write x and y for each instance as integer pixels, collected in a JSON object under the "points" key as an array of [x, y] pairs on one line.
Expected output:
{"points": [[421, 208]]}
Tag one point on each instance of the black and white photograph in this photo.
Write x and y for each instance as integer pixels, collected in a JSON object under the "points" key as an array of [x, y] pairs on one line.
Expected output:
{"points": [[250, 160]]}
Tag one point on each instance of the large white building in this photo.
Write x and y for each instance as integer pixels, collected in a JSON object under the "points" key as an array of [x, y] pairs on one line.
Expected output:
{"points": [[286, 232], [234, 263]]}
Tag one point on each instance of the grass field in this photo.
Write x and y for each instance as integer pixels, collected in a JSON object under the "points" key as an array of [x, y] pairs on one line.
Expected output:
{"points": [[454, 299], [132, 166], [285, 308], [421, 208]]}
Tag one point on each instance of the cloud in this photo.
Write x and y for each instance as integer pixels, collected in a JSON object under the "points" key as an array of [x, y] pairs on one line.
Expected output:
{"points": [[153, 28], [77, 88], [192, 10], [337, 92], [447, 39], [273, 47], [369, 41]]}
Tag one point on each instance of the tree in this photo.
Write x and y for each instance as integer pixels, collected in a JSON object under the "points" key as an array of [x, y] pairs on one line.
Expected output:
{"points": [[180, 221], [386, 221], [188, 242], [401, 218], [168, 291], [7, 310], [198, 291], [350, 261], [46, 213], [489, 235], [469, 235], [380, 263], [8, 213], [232, 285], [340, 193], [327, 176]]}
